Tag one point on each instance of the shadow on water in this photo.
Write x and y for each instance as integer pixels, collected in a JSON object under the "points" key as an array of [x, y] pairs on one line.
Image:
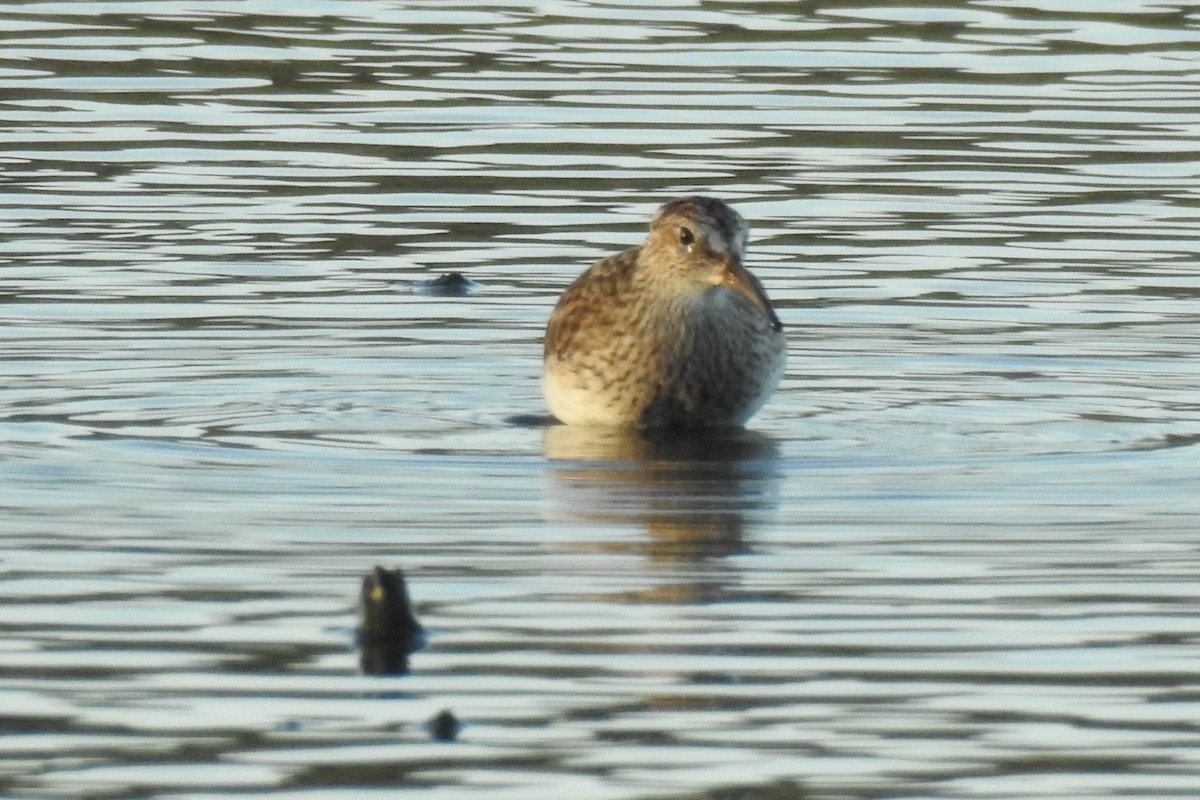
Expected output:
{"points": [[694, 494]]}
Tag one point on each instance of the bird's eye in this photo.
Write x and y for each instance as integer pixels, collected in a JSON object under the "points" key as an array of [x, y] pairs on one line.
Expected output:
{"points": [[686, 237]]}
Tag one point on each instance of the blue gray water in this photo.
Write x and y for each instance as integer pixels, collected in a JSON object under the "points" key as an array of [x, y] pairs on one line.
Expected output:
{"points": [[955, 557]]}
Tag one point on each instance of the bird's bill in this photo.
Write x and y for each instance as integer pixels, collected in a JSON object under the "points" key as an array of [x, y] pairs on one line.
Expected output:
{"points": [[739, 279]]}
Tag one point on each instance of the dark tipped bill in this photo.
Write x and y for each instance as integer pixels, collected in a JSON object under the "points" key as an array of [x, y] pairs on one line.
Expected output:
{"points": [[739, 279]]}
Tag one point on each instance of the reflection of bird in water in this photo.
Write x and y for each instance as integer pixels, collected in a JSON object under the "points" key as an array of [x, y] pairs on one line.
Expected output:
{"points": [[675, 333], [691, 494]]}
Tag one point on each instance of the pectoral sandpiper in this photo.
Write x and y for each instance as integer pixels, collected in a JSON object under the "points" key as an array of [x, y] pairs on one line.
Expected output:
{"points": [[675, 333]]}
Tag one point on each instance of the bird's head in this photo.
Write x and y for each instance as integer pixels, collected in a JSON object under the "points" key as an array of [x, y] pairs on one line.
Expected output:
{"points": [[702, 241]]}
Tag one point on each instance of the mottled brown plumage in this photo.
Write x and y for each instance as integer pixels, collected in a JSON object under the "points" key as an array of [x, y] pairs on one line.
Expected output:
{"points": [[675, 333]]}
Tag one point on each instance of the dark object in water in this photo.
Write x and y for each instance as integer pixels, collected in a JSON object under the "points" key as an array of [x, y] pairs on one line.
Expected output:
{"points": [[531, 420], [448, 284], [388, 630], [444, 726]]}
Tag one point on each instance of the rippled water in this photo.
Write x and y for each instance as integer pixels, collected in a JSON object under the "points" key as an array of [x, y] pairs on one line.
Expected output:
{"points": [[955, 557]]}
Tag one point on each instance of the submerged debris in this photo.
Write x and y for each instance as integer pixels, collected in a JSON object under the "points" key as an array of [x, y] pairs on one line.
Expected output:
{"points": [[444, 726], [388, 629], [448, 284]]}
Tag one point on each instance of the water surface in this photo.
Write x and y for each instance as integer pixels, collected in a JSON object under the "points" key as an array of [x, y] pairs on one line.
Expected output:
{"points": [[954, 557]]}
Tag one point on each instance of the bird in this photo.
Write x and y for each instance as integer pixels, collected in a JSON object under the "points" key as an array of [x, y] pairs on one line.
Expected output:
{"points": [[676, 333]]}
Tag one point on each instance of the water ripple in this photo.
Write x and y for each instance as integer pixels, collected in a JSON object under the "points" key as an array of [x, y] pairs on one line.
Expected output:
{"points": [[953, 559]]}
